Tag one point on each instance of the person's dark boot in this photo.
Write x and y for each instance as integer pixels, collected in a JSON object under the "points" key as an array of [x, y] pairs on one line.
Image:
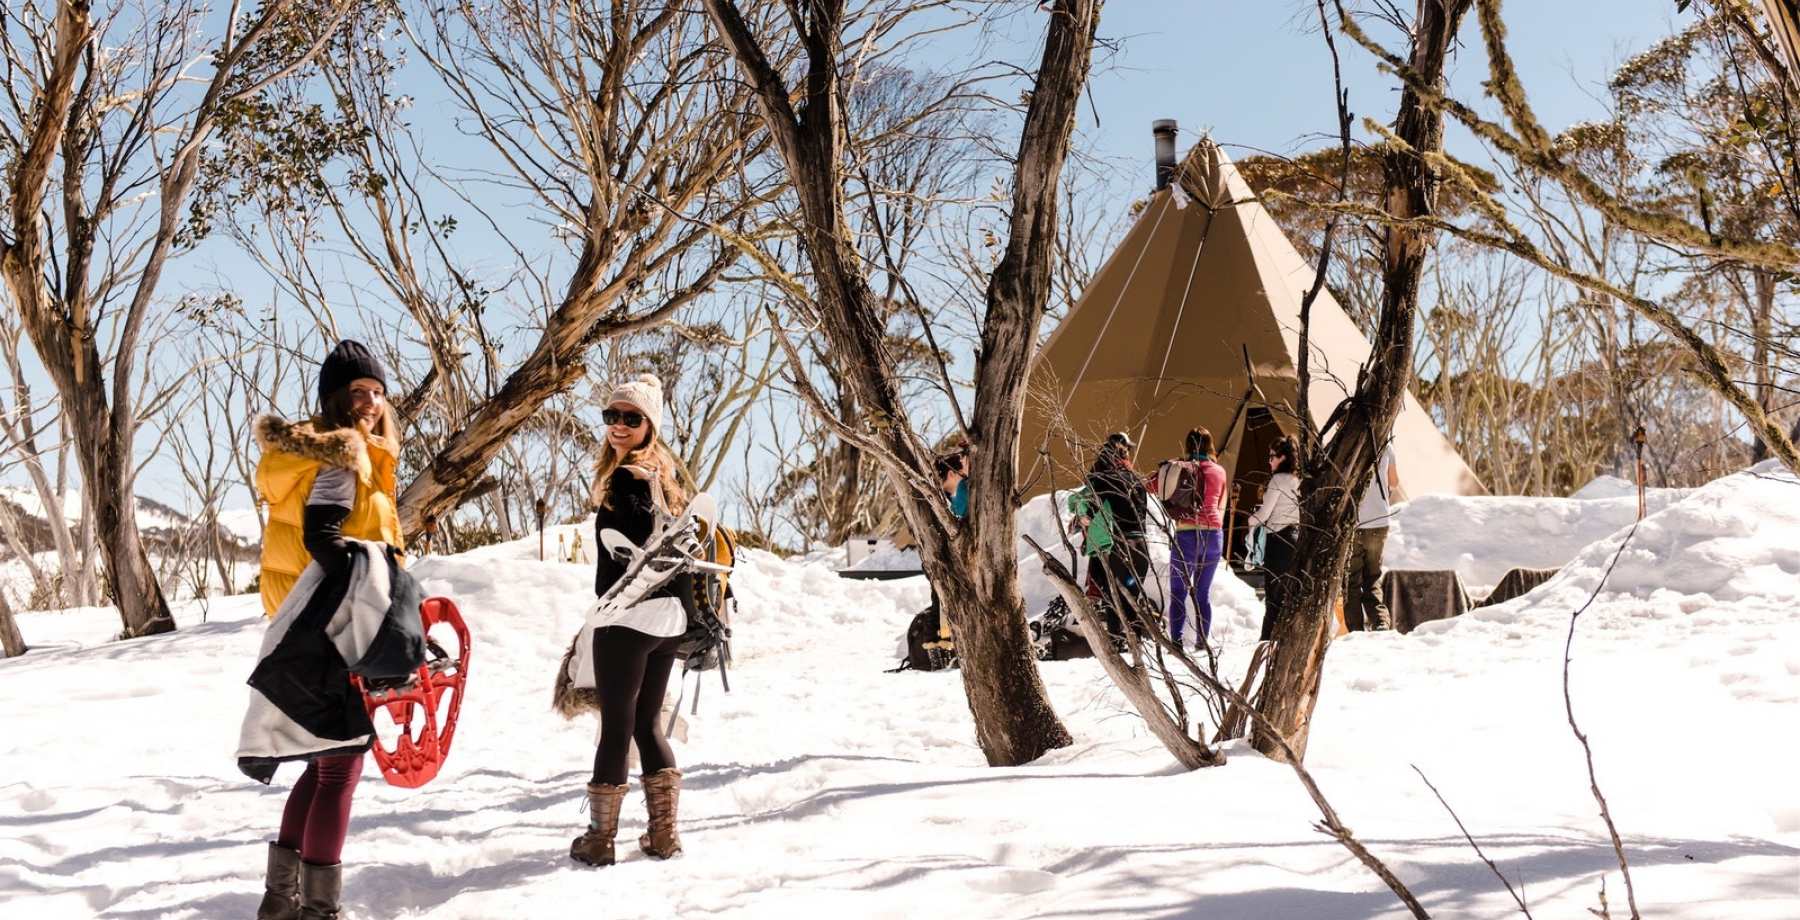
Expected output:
{"points": [[662, 797], [595, 846], [321, 887], [281, 885]]}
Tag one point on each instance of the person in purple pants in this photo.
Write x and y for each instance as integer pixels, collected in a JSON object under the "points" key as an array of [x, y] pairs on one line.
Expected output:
{"points": [[1193, 492]]}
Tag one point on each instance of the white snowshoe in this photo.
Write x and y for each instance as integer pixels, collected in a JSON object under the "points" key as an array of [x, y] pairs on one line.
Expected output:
{"points": [[673, 547]]}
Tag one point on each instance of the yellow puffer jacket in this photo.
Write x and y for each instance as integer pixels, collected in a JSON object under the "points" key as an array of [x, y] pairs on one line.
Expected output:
{"points": [[292, 454]]}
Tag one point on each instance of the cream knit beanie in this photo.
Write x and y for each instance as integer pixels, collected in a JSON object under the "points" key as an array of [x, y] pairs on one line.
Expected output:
{"points": [[644, 392]]}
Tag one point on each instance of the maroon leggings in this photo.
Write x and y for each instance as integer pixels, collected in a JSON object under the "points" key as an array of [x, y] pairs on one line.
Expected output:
{"points": [[317, 815]]}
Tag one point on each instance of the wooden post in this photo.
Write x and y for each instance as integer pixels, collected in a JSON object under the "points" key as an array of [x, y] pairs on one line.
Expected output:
{"points": [[1231, 523], [1638, 438]]}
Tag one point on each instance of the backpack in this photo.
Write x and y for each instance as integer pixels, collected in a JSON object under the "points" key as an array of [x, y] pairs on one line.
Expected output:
{"points": [[1053, 639], [926, 649], [1178, 485], [706, 645]]}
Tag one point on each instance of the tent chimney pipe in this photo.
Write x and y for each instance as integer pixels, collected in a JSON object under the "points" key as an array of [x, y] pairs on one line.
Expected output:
{"points": [[1163, 129]]}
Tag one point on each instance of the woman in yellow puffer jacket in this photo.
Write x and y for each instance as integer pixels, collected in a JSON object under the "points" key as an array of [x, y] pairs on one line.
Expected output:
{"points": [[354, 430], [325, 480]]}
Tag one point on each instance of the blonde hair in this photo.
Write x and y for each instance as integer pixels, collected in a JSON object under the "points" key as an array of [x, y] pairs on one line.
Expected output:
{"points": [[654, 456]]}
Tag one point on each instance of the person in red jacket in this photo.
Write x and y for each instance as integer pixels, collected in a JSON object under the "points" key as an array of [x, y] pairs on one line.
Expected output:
{"points": [[1193, 491]]}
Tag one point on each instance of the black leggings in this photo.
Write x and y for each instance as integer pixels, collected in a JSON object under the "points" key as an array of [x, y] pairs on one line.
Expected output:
{"points": [[631, 671], [1279, 581]]}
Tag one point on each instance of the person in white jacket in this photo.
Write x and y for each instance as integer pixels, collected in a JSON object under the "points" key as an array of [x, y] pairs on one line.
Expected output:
{"points": [[1364, 607], [1279, 516]]}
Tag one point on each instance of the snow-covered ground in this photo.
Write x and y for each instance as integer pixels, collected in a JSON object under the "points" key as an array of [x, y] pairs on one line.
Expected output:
{"points": [[1484, 536], [1236, 609], [822, 787], [1481, 537]]}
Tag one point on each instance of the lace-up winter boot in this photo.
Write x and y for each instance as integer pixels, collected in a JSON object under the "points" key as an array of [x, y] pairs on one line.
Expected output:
{"points": [[595, 846], [662, 793]]}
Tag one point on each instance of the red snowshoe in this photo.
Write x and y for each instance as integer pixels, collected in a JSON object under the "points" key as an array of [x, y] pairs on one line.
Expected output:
{"points": [[424, 706]]}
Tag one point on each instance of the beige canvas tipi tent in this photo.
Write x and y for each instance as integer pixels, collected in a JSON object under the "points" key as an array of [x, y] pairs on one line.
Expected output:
{"points": [[1157, 345]]}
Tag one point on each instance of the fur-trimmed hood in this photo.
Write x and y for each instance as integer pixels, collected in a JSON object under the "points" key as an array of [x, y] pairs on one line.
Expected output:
{"points": [[344, 448], [292, 455]]}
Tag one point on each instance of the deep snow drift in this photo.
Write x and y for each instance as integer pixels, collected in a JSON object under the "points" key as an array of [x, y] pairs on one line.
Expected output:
{"points": [[821, 786]]}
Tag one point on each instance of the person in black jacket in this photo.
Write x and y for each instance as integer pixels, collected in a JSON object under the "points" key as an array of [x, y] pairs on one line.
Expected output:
{"points": [[1118, 574], [634, 648]]}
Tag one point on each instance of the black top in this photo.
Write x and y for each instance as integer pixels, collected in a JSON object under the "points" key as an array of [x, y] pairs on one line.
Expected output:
{"points": [[1125, 495], [632, 513]]}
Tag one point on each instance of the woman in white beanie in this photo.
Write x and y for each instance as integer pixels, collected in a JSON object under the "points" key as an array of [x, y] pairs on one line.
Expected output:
{"points": [[634, 650]]}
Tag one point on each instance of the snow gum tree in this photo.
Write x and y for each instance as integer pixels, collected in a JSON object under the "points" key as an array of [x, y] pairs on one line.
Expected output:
{"points": [[105, 117], [1336, 472], [971, 563], [610, 125]]}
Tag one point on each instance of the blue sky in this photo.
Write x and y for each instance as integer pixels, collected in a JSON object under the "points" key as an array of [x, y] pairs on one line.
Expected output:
{"points": [[1252, 72], [1256, 74]]}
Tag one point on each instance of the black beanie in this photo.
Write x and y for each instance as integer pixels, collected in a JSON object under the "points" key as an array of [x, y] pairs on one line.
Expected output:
{"points": [[348, 362]]}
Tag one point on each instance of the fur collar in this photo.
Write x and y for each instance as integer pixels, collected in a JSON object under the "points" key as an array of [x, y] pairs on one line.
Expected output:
{"points": [[344, 448]]}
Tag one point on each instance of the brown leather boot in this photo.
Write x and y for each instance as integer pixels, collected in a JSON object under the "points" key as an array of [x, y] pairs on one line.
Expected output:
{"points": [[281, 886], [662, 793], [595, 846]]}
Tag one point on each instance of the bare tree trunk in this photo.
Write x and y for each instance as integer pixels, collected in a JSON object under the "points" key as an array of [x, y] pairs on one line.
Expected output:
{"points": [[86, 545], [22, 435], [104, 451], [218, 551], [12, 644], [970, 563], [1762, 359], [49, 265], [1328, 509], [843, 505]]}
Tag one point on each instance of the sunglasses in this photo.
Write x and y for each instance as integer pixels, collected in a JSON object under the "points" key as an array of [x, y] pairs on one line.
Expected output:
{"points": [[621, 417]]}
